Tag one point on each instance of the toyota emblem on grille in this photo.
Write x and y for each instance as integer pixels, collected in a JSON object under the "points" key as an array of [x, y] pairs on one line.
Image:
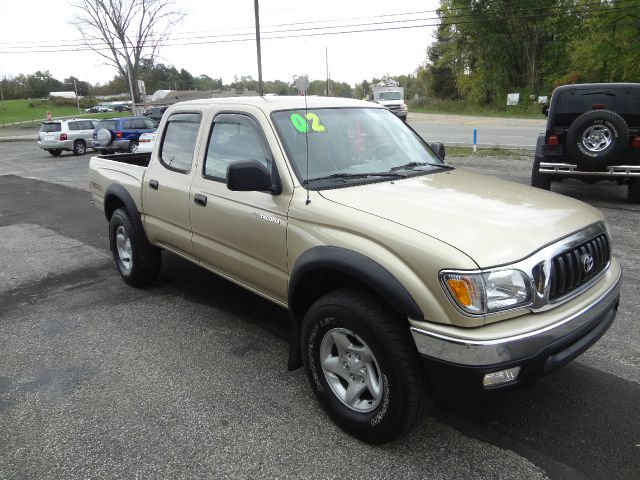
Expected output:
{"points": [[587, 263]]}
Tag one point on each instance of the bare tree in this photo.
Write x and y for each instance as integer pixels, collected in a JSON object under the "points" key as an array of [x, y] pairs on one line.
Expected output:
{"points": [[124, 32]]}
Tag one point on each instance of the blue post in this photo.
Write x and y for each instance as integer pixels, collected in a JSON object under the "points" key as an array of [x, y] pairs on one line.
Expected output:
{"points": [[475, 140]]}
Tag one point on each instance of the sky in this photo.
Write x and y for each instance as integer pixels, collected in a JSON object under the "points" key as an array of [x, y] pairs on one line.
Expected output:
{"points": [[41, 24]]}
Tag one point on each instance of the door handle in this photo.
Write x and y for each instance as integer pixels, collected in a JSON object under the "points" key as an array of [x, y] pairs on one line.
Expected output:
{"points": [[200, 199], [154, 184]]}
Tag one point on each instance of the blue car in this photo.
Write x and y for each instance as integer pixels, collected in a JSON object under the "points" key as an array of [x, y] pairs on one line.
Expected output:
{"points": [[121, 134]]}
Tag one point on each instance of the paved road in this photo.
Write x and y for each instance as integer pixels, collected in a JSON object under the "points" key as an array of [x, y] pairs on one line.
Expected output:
{"points": [[188, 379], [492, 131], [445, 128]]}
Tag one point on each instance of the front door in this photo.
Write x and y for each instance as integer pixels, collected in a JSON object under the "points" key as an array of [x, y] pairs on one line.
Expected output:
{"points": [[242, 235]]}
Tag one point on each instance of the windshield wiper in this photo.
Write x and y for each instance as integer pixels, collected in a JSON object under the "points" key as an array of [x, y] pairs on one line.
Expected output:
{"points": [[411, 165], [341, 176]]}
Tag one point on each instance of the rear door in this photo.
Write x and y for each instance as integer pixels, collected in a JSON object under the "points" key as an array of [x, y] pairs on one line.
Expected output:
{"points": [[129, 129], [167, 181]]}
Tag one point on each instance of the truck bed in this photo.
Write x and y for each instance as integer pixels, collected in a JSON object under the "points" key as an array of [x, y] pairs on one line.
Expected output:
{"points": [[139, 159], [124, 169]]}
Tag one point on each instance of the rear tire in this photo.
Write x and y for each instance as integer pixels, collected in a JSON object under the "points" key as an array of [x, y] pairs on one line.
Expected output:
{"points": [[363, 366], [539, 180], [133, 147], [633, 190], [104, 137], [55, 152], [597, 138], [79, 147], [136, 259]]}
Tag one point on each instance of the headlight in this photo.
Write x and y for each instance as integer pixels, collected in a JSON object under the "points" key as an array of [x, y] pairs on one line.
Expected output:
{"points": [[487, 292]]}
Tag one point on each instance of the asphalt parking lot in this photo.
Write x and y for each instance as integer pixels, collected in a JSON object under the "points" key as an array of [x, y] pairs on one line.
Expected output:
{"points": [[188, 379]]}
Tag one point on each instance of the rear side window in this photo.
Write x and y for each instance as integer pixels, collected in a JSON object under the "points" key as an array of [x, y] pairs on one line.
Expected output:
{"points": [[108, 124], [85, 125], [50, 127], [129, 124], [179, 141]]}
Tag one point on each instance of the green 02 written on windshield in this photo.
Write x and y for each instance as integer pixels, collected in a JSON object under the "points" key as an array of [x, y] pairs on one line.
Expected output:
{"points": [[335, 147]]}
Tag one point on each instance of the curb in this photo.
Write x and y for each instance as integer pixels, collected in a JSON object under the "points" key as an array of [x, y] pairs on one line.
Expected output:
{"points": [[19, 138]]}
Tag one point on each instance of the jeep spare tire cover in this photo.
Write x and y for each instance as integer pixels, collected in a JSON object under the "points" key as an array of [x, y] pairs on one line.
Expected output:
{"points": [[104, 136], [597, 138]]}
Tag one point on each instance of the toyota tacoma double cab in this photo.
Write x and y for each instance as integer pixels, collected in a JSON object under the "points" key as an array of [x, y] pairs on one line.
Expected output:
{"points": [[592, 134], [403, 276]]}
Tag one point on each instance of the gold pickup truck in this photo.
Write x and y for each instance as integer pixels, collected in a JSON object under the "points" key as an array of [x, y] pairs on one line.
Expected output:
{"points": [[404, 276]]}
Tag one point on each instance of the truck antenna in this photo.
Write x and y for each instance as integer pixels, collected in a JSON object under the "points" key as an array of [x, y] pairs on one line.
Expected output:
{"points": [[306, 141]]}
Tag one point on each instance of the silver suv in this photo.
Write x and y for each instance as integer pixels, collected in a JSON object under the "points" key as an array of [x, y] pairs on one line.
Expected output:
{"points": [[74, 135]]}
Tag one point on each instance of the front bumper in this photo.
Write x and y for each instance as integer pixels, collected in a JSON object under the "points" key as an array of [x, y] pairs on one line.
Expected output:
{"points": [[399, 113], [457, 366]]}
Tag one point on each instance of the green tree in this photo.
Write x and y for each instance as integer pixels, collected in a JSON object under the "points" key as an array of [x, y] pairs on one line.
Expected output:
{"points": [[41, 83]]}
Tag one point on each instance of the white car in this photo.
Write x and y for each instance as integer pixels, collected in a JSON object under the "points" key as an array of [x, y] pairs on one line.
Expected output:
{"points": [[146, 142], [73, 135], [99, 109]]}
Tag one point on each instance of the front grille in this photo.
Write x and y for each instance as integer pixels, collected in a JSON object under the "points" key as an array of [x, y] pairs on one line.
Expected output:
{"points": [[568, 270]]}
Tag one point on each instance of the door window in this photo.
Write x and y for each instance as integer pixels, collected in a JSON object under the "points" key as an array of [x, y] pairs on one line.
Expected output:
{"points": [[179, 141], [149, 124], [234, 137]]}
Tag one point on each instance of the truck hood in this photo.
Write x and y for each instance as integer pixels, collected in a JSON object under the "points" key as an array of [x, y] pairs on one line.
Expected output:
{"points": [[491, 220]]}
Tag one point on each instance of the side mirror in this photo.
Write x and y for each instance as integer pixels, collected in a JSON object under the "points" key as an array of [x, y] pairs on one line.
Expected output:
{"points": [[438, 149], [249, 176]]}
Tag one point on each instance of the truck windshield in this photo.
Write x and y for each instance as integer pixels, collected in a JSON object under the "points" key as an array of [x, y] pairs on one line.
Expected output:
{"points": [[346, 144], [390, 96]]}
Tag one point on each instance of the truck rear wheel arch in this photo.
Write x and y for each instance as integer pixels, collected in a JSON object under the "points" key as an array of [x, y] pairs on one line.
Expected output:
{"points": [[116, 196], [323, 269]]}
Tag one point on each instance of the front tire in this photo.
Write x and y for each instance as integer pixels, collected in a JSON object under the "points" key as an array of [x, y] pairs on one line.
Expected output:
{"points": [[136, 259], [363, 366]]}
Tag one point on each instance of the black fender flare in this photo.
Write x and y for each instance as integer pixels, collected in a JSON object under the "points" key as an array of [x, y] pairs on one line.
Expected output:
{"points": [[121, 193], [366, 270], [542, 138]]}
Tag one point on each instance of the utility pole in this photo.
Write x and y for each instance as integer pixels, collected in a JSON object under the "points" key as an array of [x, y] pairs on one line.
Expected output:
{"points": [[326, 56], [257, 12], [2, 94], [75, 89]]}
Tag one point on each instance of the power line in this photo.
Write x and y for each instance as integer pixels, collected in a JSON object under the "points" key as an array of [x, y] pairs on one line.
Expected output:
{"points": [[302, 32], [45, 42], [476, 16]]}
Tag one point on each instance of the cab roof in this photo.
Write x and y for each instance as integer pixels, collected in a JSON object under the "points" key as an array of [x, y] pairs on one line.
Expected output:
{"points": [[273, 103]]}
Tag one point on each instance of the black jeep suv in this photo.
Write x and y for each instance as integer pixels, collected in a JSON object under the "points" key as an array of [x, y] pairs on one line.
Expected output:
{"points": [[593, 133]]}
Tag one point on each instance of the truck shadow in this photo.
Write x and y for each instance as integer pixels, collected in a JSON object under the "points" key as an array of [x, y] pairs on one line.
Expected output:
{"points": [[206, 288], [577, 422], [604, 193]]}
